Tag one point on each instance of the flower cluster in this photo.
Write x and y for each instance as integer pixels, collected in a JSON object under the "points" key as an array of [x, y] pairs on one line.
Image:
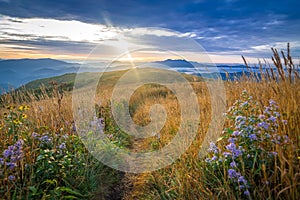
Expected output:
{"points": [[11, 156], [251, 137], [98, 124]]}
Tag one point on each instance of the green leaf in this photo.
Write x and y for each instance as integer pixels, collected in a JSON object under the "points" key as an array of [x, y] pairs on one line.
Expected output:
{"points": [[32, 189], [70, 197], [70, 191], [40, 157], [51, 182]]}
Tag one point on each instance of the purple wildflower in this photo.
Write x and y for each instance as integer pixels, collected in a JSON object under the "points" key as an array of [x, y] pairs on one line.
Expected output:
{"points": [[45, 139], [235, 152], [14, 158], [233, 164], [236, 133], [277, 114], [19, 144], [253, 137], [231, 147], [74, 129], [267, 110], [247, 192], [1, 161], [7, 153], [213, 148], [231, 140], [261, 116], [274, 153], [232, 173], [242, 179], [226, 154], [245, 104], [272, 119], [263, 125], [240, 118], [214, 158], [11, 177], [62, 146], [272, 102], [11, 165], [35, 135]]}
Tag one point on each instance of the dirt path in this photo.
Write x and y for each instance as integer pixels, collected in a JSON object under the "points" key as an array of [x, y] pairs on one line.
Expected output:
{"points": [[130, 184], [133, 183]]}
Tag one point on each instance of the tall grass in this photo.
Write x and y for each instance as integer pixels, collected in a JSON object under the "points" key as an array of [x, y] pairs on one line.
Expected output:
{"points": [[42, 157], [190, 177]]}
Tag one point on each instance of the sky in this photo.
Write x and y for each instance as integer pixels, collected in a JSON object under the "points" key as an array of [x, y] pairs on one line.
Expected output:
{"points": [[105, 29]]}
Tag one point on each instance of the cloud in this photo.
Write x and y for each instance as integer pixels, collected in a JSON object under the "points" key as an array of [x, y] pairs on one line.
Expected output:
{"points": [[52, 29], [221, 27]]}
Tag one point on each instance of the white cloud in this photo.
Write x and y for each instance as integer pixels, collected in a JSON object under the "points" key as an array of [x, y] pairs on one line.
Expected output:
{"points": [[276, 45], [52, 29]]}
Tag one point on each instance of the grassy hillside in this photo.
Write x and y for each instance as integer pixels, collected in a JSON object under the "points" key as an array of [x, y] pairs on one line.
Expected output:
{"points": [[68, 79], [257, 155]]}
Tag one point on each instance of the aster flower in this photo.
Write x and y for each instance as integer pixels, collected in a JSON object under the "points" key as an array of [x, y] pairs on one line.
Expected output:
{"points": [[252, 137], [261, 116], [45, 139], [236, 133], [272, 119], [263, 125], [11, 177], [62, 146], [213, 148], [246, 192], [233, 164], [1, 161], [272, 102], [231, 140], [232, 173], [35, 135], [7, 153]]}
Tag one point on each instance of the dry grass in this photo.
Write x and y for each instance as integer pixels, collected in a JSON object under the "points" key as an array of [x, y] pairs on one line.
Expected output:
{"points": [[185, 179]]}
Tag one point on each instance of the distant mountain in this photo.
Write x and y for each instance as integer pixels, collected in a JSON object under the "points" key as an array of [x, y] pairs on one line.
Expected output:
{"points": [[176, 63], [67, 80], [16, 72]]}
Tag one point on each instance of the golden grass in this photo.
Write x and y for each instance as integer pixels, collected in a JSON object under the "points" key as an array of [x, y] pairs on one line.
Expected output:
{"points": [[184, 179]]}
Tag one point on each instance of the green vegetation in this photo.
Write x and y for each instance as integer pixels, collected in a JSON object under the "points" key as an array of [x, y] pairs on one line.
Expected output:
{"points": [[256, 157]]}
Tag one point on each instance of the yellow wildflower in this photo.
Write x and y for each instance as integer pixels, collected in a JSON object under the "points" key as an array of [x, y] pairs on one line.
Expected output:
{"points": [[24, 116], [17, 121], [22, 108], [5, 115], [10, 107]]}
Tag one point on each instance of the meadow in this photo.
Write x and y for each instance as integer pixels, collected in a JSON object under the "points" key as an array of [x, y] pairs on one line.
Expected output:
{"points": [[256, 157]]}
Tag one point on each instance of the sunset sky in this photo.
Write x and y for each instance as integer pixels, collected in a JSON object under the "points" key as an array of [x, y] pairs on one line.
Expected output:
{"points": [[71, 29]]}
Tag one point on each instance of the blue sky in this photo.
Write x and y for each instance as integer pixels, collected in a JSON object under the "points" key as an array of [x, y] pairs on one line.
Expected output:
{"points": [[70, 29]]}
